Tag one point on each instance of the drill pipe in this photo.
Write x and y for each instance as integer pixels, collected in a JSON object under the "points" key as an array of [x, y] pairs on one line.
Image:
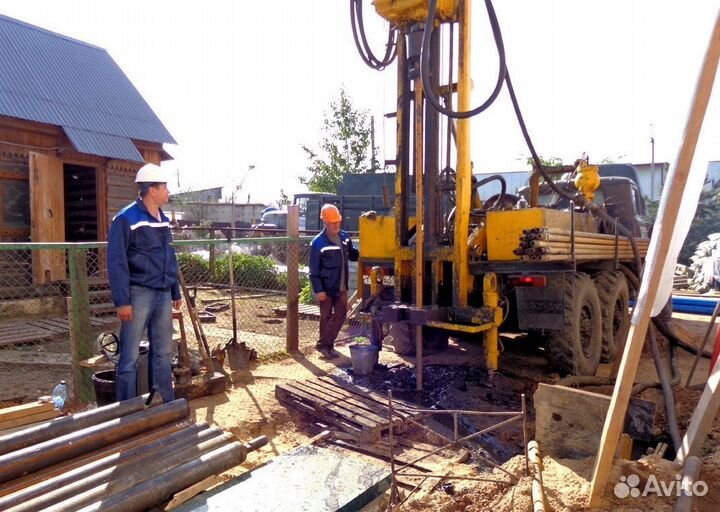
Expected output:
{"points": [[65, 485], [41, 455], [89, 490], [91, 458], [151, 492], [61, 426]]}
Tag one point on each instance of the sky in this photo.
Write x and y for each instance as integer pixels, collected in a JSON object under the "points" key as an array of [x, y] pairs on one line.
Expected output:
{"points": [[243, 85]]}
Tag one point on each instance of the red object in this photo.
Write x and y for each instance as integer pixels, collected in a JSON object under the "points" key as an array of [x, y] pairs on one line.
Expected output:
{"points": [[716, 351]]}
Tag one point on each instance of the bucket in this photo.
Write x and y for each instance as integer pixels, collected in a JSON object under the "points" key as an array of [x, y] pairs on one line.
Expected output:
{"points": [[104, 384], [364, 358]]}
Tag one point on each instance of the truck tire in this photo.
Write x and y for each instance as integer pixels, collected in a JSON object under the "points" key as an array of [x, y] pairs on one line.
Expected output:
{"points": [[403, 339], [576, 348], [614, 297]]}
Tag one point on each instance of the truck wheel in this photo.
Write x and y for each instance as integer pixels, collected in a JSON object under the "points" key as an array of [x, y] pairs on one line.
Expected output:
{"points": [[576, 349], [614, 297], [403, 339]]}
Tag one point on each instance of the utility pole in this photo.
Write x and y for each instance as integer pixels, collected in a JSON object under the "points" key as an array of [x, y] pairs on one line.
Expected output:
{"points": [[652, 164], [372, 145]]}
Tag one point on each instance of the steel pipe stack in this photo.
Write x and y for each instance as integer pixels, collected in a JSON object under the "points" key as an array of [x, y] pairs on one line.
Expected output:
{"points": [[134, 456], [550, 244]]}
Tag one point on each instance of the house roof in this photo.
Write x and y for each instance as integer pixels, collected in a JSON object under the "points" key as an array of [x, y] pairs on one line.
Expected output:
{"points": [[53, 79]]}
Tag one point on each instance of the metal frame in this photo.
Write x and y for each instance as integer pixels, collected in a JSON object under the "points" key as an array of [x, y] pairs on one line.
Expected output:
{"points": [[513, 416]]}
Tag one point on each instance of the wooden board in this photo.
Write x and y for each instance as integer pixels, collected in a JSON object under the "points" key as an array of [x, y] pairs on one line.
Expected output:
{"points": [[30, 331], [17, 411], [27, 420], [569, 422], [47, 216], [348, 408], [31, 358]]}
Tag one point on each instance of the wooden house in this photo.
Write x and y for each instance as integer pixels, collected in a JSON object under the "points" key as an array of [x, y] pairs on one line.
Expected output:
{"points": [[73, 132]]}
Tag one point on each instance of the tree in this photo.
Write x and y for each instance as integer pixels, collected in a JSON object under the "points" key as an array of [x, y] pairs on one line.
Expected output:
{"points": [[284, 199], [344, 148]]}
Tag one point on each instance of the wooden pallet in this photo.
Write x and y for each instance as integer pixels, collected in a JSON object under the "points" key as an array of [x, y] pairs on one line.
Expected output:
{"points": [[43, 329], [361, 413], [305, 311]]}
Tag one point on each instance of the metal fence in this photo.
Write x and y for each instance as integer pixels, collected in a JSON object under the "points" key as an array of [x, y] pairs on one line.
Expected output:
{"points": [[50, 319]]}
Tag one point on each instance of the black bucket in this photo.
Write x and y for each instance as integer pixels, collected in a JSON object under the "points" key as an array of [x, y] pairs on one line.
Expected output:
{"points": [[104, 384]]}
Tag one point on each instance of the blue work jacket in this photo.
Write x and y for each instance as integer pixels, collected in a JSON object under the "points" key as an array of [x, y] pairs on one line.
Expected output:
{"points": [[327, 261], [139, 253]]}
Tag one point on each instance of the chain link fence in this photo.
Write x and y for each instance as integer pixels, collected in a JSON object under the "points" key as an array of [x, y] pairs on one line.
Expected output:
{"points": [[55, 302]]}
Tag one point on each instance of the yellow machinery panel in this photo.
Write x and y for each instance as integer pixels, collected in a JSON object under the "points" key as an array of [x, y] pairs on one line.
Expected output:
{"points": [[504, 228], [411, 11], [377, 236]]}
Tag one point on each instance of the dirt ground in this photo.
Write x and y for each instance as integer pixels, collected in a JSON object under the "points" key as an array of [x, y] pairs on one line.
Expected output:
{"points": [[455, 379]]}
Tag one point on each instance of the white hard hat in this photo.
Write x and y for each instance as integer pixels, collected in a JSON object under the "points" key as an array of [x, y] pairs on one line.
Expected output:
{"points": [[151, 173]]}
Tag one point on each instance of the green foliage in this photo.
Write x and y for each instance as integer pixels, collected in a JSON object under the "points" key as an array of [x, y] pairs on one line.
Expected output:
{"points": [[344, 148], [194, 267], [251, 271], [306, 292], [706, 222], [553, 161]]}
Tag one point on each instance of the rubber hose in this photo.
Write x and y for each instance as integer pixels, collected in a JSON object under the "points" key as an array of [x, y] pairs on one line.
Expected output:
{"points": [[667, 392]]}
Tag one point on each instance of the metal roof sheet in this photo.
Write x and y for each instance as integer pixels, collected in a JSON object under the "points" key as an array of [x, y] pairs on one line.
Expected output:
{"points": [[102, 144], [53, 79]]}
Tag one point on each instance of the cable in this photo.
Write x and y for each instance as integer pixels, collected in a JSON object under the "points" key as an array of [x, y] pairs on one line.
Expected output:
{"points": [[425, 64], [361, 43]]}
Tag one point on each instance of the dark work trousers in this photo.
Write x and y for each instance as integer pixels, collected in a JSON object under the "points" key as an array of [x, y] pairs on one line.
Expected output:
{"points": [[332, 316]]}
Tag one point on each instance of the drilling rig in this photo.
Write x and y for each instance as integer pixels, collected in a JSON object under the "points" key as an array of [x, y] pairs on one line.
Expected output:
{"points": [[557, 260]]}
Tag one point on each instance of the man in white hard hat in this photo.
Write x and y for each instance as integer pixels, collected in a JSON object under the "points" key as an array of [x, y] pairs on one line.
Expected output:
{"points": [[329, 254], [143, 280]]}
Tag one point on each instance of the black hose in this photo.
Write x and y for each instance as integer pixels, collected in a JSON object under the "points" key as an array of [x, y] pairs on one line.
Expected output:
{"points": [[361, 43], [667, 392], [425, 64], [674, 339]]}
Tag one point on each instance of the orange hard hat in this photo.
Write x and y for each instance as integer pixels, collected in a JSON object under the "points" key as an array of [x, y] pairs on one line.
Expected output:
{"points": [[330, 213]]}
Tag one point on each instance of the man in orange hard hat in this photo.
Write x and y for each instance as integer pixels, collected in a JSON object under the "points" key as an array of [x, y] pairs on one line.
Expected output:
{"points": [[329, 254]]}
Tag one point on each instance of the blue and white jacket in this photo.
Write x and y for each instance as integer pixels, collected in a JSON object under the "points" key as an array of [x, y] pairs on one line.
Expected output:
{"points": [[139, 253], [327, 261]]}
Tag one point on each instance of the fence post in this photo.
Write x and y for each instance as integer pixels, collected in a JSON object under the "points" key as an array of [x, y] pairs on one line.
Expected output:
{"points": [[293, 278], [80, 329]]}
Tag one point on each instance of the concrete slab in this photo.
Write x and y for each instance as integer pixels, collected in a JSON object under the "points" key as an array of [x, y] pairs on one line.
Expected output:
{"points": [[308, 478]]}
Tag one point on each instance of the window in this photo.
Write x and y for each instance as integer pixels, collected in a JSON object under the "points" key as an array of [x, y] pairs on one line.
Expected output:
{"points": [[15, 212]]}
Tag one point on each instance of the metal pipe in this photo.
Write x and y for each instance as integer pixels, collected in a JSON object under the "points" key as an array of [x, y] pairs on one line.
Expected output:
{"points": [[56, 450], [32, 479], [151, 492], [61, 426], [538, 493], [103, 473], [691, 471]]}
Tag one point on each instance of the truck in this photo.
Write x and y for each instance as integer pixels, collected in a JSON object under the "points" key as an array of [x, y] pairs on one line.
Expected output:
{"points": [[557, 261]]}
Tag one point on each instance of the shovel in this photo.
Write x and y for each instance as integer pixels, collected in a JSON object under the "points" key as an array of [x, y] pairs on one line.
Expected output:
{"points": [[238, 355]]}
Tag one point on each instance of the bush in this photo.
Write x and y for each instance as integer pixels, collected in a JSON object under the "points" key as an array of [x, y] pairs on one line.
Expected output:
{"points": [[306, 292], [194, 267], [250, 271]]}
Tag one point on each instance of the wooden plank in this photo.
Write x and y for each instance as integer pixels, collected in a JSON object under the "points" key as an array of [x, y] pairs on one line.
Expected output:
{"points": [[363, 404], [569, 421], [47, 216], [349, 427], [325, 411], [324, 403], [341, 401], [375, 397], [43, 359], [32, 418], [17, 411], [186, 494]]}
